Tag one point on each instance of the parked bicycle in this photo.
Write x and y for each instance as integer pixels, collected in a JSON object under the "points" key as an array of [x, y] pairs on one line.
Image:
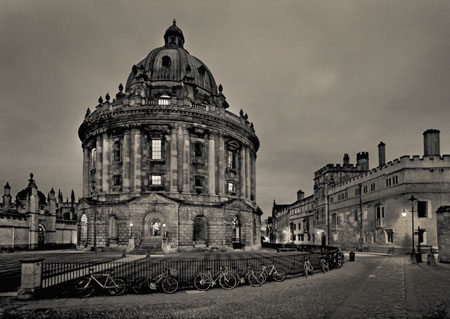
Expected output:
{"points": [[205, 280], [271, 271], [86, 286], [307, 267], [324, 264], [166, 281], [251, 276], [337, 259]]}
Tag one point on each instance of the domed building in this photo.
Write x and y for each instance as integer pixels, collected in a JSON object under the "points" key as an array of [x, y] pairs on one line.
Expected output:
{"points": [[165, 165]]}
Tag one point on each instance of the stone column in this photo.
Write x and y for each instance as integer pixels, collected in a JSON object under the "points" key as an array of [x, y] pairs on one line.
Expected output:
{"points": [[105, 164], [242, 169], [211, 165], [186, 162], [247, 172], [126, 168], [221, 160], [173, 169], [180, 158], [85, 171], [98, 165], [136, 135], [253, 176]]}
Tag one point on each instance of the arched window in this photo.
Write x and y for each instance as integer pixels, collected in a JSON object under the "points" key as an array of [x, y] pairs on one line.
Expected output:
{"points": [[117, 152], [236, 224], [113, 227], [83, 229], [200, 229]]}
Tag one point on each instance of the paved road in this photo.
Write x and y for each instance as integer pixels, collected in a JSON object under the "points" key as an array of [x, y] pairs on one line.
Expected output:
{"points": [[371, 287]]}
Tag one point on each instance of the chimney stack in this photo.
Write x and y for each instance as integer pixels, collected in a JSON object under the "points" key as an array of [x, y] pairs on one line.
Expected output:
{"points": [[362, 161], [346, 159], [300, 194], [381, 154], [431, 144]]}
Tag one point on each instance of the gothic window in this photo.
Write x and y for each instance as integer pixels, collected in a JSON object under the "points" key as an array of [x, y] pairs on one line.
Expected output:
{"points": [[156, 149], [200, 229], [164, 100], [156, 180], [93, 157], [113, 227], [117, 152], [236, 224]]}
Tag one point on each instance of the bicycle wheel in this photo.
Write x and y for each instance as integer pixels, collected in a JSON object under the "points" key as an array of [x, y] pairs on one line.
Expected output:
{"points": [[264, 277], [119, 287], [227, 281], [202, 281], [255, 278], [138, 285], [169, 285], [84, 288], [279, 275]]}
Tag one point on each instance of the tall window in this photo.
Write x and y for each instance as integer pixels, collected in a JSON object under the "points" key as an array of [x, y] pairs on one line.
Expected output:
{"points": [[198, 152], [93, 157], [236, 224], [231, 160], [156, 180], [389, 236], [156, 148], [379, 216], [117, 156], [422, 209], [113, 227], [200, 229]]}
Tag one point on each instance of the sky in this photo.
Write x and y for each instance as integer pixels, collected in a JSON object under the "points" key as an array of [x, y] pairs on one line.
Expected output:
{"points": [[317, 78]]}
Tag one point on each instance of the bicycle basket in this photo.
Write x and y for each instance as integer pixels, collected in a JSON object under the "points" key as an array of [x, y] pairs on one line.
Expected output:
{"points": [[173, 272]]}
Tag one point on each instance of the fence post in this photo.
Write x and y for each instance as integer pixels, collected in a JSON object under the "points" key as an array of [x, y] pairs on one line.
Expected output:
{"points": [[31, 278]]}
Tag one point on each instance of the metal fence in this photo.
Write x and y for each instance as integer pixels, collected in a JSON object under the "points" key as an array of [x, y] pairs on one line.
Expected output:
{"points": [[61, 275]]}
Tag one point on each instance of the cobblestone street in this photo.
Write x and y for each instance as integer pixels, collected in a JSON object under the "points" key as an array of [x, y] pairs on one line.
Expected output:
{"points": [[372, 287]]}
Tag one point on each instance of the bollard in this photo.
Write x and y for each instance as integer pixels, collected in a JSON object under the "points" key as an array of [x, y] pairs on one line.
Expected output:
{"points": [[31, 278], [351, 256], [430, 258]]}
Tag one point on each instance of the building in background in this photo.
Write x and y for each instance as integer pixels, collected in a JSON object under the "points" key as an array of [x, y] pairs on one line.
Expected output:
{"points": [[371, 209], [166, 163], [33, 221]]}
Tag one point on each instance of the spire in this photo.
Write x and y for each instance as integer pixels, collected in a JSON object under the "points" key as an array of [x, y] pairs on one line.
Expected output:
{"points": [[31, 182], [7, 186], [72, 197]]}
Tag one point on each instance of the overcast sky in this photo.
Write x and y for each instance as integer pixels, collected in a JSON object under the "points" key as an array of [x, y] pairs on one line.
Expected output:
{"points": [[317, 78]]}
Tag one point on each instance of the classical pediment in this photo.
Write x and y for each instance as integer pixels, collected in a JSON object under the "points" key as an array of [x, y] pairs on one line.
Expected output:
{"points": [[152, 198], [238, 205]]}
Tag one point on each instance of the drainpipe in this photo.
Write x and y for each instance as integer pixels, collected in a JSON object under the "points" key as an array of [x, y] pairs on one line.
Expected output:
{"points": [[328, 219], [361, 220]]}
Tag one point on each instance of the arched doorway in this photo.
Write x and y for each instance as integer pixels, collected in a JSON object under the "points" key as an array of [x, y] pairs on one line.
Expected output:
{"points": [[41, 236], [112, 238], [200, 233], [236, 226], [83, 230]]}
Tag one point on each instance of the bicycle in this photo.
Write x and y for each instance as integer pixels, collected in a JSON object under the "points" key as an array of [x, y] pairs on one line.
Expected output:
{"points": [[271, 271], [307, 267], [324, 264], [338, 259], [166, 281], [205, 280], [253, 277], [86, 286]]}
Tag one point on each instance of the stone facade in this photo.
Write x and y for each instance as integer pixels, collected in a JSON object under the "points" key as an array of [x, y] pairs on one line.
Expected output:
{"points": [[443, 233], [33, 221], [165, 162], [355, 207]]}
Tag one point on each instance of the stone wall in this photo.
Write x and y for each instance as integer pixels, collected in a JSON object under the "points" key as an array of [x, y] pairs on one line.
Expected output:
{"points": [[443, 229]]}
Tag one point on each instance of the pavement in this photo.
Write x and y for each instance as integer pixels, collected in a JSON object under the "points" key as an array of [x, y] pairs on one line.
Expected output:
{"points": [[374, 286]]}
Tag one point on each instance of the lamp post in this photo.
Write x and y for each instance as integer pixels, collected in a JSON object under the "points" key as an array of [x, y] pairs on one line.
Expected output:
{"points": [[131, 230], [412, 200]]}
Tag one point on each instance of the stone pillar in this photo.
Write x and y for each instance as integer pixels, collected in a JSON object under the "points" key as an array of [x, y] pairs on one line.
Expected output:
{"points": [[85, 171], [186, 162], [242, 168], [253, 176], [33, 221], [211, 165], [136, 135], [180, 158], [126, 168], [51, 230], [105, 163], [247, 172], [221, 160], [31, 278], [173, 170], [98, 165]]}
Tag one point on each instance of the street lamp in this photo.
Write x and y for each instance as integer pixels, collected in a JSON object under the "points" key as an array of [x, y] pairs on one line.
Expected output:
{"points": [[412, 200], [131, 230]]}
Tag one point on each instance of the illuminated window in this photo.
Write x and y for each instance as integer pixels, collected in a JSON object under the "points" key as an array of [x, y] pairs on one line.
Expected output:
{"points": [[231, 188], [93, 157], [156, 180], [156, 149], [164, 100]]}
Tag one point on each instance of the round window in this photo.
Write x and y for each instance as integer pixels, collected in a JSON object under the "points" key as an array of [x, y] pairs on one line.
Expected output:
{"points": [[166, 61]]}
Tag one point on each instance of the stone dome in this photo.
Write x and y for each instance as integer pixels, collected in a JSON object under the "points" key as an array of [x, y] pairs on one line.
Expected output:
{"points": [[172, 65]]}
